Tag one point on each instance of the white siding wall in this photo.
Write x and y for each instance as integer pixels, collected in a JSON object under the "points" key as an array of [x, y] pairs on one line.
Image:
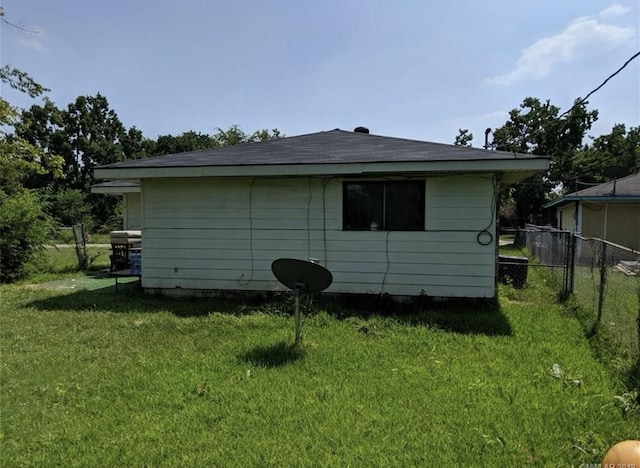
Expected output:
{"points": [[201, 234], [132, 211]]}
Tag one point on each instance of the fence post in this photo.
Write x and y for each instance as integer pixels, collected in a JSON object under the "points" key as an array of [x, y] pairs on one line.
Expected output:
{"points": [[603, 279], [571, 263], [79, 235]]}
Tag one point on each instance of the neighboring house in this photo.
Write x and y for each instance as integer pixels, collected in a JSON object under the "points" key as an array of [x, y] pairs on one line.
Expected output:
{"points": [[609, 211], [384, 215], [131, 200]]}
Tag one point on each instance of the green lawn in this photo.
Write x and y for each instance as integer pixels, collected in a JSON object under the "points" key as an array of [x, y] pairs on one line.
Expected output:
{"points": [[91, 378], [59, 262]]}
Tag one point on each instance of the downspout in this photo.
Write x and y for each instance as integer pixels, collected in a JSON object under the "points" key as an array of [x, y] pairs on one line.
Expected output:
{"points": [[578, 228], [496, 224]]}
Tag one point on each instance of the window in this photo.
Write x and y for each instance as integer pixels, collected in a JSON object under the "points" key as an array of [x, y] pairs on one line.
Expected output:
{"points": [[389, 206]]}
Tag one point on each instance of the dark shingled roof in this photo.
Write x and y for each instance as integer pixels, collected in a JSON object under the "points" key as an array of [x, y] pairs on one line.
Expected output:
{"points": [[627, 188], [330, 147]]}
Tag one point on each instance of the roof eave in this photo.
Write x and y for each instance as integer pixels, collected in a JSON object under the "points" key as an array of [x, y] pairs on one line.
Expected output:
{"points": [[599, 198], [529, 165]]}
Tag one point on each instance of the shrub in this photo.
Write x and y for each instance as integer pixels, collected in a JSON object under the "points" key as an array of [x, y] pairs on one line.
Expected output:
{"points": [[24, 228]]}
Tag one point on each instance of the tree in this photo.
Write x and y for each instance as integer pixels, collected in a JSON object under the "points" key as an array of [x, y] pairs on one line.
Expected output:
{"points": [[187, 141], [70, 206], [618, 148], [537, 128], [234, 135], [94, 132], [42, 126], [23, 223], [464, 138], [191, 141], [135, 145], [24, 229]]}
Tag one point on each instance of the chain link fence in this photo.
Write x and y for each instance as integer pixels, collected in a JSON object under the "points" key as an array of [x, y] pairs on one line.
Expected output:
{"points": [[553, 250], [604, 278], [606, 282]]}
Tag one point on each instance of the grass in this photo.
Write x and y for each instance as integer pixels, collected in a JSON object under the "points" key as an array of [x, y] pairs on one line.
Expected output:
{"points": [[93, 378], [62, 262]]}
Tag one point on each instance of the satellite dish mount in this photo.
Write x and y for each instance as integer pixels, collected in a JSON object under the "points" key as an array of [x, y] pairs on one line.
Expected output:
{"points": [[302, 277], [614, 172]]}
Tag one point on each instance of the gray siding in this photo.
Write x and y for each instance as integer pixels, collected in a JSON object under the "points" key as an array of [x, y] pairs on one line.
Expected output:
{"points": [[224, 234]]}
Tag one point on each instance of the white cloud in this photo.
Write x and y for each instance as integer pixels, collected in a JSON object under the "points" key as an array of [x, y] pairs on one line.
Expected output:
{"points": [[614, 11], [583, 36], [501, 114]]}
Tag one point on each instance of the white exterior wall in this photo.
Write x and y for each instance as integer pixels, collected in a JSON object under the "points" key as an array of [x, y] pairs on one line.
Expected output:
{"points": [[567, 218], [200, 234], [132, 218]]}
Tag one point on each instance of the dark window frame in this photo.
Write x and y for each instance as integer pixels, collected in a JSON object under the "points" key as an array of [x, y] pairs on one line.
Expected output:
{"points": [[384, 184]]}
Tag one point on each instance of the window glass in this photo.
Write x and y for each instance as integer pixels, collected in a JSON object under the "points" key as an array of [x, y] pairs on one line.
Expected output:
{"points": [[363, 205], [404, 206], [394, 206]]}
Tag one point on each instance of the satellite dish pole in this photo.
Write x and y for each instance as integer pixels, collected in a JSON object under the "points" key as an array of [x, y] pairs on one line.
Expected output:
{"points": [[614, 172], [302, 277]]}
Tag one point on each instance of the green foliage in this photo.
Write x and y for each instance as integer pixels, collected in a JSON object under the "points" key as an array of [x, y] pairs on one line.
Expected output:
{"points": [[94, 132], [88, 133], [464, 137], [537, 128], [24, 228], [20, 160], [24, 225], [70, 206], [188, 141], [191, 141], [135, 145], [21, 81], [618, 148], [234, 135]]}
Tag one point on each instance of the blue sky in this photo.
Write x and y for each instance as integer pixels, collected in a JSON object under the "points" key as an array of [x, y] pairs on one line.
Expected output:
{"points": [[414, 69]]}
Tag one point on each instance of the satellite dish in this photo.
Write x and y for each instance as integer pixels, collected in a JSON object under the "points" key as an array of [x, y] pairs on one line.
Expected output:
{"points": [[303, 277], [614, 172]]}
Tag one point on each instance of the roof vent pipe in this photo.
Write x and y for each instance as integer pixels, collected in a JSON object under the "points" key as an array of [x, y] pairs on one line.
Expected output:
{"points": [[361, 130], [486, 138]]}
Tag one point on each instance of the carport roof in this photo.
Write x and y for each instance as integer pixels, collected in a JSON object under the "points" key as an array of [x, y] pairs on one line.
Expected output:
{"points": [[625, 189]]}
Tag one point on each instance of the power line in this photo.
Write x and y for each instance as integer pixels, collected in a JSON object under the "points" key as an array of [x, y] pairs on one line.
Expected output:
{"points": [[580, 101]]}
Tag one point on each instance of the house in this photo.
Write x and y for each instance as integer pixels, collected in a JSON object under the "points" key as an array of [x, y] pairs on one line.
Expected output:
{"points": [[609, 211], [131, 200], [383, 214]]}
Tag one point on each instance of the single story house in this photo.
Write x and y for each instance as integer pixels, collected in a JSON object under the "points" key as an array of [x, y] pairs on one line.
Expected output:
{"points": [[384, 215], [609, 211], [131, 200]]}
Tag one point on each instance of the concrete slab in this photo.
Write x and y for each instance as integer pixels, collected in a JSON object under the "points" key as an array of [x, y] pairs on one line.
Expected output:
{"points": [[89, 283]]}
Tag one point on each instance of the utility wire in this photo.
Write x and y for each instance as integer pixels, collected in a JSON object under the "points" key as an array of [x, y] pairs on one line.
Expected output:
{"points": [[580, 101]]}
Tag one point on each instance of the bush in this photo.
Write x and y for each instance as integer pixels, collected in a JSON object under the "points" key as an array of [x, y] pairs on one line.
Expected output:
{"points": [[24, 228]]}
